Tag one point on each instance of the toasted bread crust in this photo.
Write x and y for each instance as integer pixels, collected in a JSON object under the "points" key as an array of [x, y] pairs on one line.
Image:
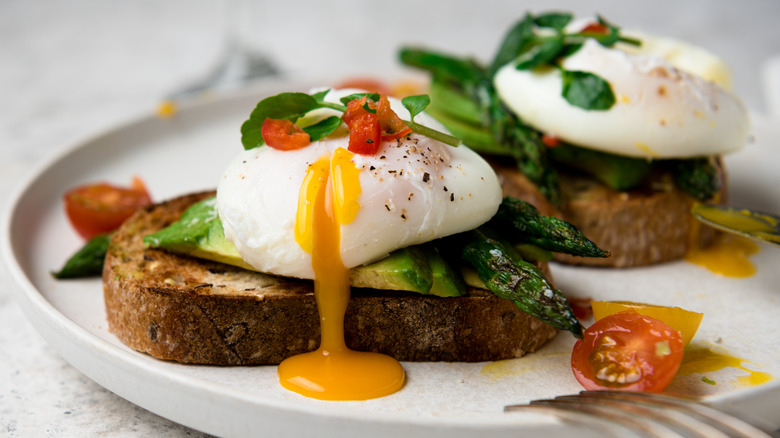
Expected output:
{"points": [[639, 227], [193, 311]]}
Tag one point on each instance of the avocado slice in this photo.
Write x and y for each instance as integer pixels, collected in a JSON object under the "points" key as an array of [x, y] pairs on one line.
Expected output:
{"points": [[447, 281], [619, 172], [404, 269], [199, 233]]}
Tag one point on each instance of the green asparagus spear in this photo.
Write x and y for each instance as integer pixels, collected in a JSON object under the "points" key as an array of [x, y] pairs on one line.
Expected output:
{"points": [[509, 277], [522, 221], [87, 261], [463, 91], [698, 177]]}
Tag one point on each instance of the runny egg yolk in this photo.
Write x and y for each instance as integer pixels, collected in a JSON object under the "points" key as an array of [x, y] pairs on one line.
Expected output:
{"points": [[728, 255], [327, 200]]}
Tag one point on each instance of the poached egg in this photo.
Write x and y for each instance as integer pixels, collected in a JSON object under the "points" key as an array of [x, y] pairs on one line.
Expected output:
{"points": [[662, 110], [415, 189], [316, 211]]}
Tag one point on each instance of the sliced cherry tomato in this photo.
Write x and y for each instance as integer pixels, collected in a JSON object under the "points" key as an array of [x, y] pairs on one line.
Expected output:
{"points": [[100, 208], [364, 130], [392, 125], [284, 135], [627, 351], [684, 321]]}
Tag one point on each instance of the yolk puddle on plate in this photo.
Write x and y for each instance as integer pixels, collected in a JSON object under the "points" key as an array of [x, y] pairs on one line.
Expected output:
{"points": [[728, 255], [700, 359], [328, 199]]}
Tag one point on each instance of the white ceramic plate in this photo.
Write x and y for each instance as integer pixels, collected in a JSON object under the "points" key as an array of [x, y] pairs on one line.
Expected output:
{"points": [[188, 153]]}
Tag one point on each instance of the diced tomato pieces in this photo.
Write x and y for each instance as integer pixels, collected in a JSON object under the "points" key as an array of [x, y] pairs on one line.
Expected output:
{"points": [[364, 130], [581, 308], [392, 125], [595, 28], [284, 135], [101, 208], [550, 141], [627, 351]]}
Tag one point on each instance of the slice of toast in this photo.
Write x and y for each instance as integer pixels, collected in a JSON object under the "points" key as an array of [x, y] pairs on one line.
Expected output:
{"points": [[639, 227], [194, 311]]}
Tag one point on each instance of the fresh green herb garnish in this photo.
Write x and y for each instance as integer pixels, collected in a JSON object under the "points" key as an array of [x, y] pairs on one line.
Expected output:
{"points": [[530, 49], [294, 106], [87, 261]]}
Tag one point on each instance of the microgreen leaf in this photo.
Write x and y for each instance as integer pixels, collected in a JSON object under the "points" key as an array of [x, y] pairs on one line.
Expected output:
{"points": [[543, 53], [515, 41], [323, 128], [569, 49], [320, 96], [371, 96], [416, 104], [586, 90], [554, 20]]}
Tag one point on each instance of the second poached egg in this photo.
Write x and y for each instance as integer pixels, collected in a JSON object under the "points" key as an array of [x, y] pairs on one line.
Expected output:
{"points": [[661, 111]]}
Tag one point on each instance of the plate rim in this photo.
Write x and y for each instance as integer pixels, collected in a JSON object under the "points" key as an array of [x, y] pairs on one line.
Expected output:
{"points": [[41, 311]]}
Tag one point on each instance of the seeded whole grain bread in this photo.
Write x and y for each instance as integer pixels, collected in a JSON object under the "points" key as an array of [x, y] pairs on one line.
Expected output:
{"points": [[193, 311], [649, 225]]}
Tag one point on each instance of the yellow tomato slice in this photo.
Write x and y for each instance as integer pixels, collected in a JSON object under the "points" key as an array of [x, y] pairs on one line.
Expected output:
{"points": [[685, 321]]}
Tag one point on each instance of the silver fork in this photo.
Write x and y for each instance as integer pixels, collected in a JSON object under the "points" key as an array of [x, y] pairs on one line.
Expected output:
{"points": [[643, 414]]}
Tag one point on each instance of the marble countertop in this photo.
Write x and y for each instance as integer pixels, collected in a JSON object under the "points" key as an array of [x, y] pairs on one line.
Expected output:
{"points": [[74, 68]]}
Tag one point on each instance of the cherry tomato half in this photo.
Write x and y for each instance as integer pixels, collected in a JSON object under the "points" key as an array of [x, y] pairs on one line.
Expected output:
{"points": [[283, 134], [100, 208], [627, 351]]}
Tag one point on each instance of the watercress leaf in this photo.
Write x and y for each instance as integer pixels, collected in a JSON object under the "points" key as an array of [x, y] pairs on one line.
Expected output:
{"points": [[347, 99], [569, 49], [416, 104], [289, 106], [370, 96], [251, 135], [614, 32], [554, 20], [515, 42], [587, 90], [320, 96], [543, 53], [323, 128], [368, 108]]}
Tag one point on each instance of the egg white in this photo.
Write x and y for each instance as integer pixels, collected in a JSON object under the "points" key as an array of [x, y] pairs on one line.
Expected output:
{"points": [[414, 190], [660, 110]]}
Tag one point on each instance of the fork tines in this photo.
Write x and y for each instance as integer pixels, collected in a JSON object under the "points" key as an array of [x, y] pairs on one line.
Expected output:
{"points": [[644, 414]]}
